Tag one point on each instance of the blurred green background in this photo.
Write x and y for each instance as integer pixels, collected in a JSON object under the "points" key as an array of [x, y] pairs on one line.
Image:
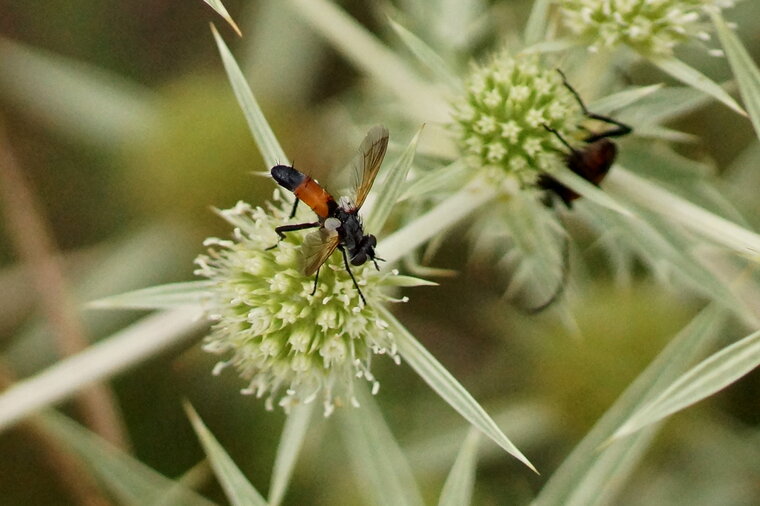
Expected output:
{"points": [[126, 130]]}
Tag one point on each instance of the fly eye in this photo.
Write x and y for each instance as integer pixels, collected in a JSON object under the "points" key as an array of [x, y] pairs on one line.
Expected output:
{"points": [[372, 240], [359, 259]]}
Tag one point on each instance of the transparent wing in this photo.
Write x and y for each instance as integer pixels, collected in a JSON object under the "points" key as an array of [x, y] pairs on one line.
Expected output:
{"points": [[317, 248], [368, 160]]}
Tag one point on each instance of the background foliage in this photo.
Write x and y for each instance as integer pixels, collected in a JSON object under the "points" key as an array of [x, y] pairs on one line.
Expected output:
{"points": [[124, 125]]}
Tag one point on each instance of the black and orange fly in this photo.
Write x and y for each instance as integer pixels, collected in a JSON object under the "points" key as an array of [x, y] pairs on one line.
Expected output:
{"points": [[338, 221]]}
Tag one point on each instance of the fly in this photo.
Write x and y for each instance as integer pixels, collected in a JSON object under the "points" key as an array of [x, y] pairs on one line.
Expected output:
{"points": [[592, 162], [338, 222]]}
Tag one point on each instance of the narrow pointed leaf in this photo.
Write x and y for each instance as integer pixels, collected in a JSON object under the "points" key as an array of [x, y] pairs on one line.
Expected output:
{"points": [[590, 191], [79, 100], [371, 56], [538, 253], [291, 441], [692, 217], [131, 481], [665, 105], [435, 221], [744, 68], [408, 281], [691, 76], [455, 25], [447, 387], [442, 180], [611, 470], [550, 46], [428, 57], [166, 296], [138, 259], [376, 457], [590, 475], [262, 133], [658, 244], [617, 101], [432, 450], [457, 490], [535, 29], [413, 265], [665, 134], [392, 187], [195, 477], [708, 377], [236, 487], [138, 342], [222, 11]]}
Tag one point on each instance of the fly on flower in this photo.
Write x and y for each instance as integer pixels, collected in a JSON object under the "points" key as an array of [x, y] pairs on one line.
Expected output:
{"points": [[592, 161], [338, 222]]}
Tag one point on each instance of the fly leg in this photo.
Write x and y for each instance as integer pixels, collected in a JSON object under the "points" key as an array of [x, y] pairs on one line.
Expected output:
{"points": [[345, 261], [622, 128], [291, 228], [316, 279], [559, 136], [555, 188]]}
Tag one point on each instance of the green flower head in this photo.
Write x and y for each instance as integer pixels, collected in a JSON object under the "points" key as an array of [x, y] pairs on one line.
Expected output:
{"points": [[501, 120], [291, 346], [652, 27]]}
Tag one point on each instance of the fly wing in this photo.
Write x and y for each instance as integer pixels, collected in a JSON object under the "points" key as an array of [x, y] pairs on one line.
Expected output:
{"points": [[368, 160], [317, 248]]}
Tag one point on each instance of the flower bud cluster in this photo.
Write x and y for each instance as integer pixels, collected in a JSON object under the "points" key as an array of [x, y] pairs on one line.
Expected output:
{"points": [[502, 119], [292, 346], [652, 27]]}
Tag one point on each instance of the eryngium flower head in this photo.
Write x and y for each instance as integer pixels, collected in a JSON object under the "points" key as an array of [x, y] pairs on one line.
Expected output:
{"points": [[290, 345], [652, 27], [501, 120]]}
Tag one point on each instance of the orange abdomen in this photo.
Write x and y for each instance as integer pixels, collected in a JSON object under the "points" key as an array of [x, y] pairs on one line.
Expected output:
{"points": [[314, 196]]}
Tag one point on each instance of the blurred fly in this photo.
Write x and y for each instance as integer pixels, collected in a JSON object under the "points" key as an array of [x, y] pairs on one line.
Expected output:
{"points": [[338, 221], [592, 162]]}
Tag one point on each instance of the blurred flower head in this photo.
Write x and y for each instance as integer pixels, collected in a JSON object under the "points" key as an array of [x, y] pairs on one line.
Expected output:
{"points": [[291, 346], [501, 120], [652, 27]]}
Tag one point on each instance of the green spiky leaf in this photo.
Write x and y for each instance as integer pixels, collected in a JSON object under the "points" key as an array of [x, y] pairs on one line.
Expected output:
{"points": [[236, 486], [446, 386]]}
